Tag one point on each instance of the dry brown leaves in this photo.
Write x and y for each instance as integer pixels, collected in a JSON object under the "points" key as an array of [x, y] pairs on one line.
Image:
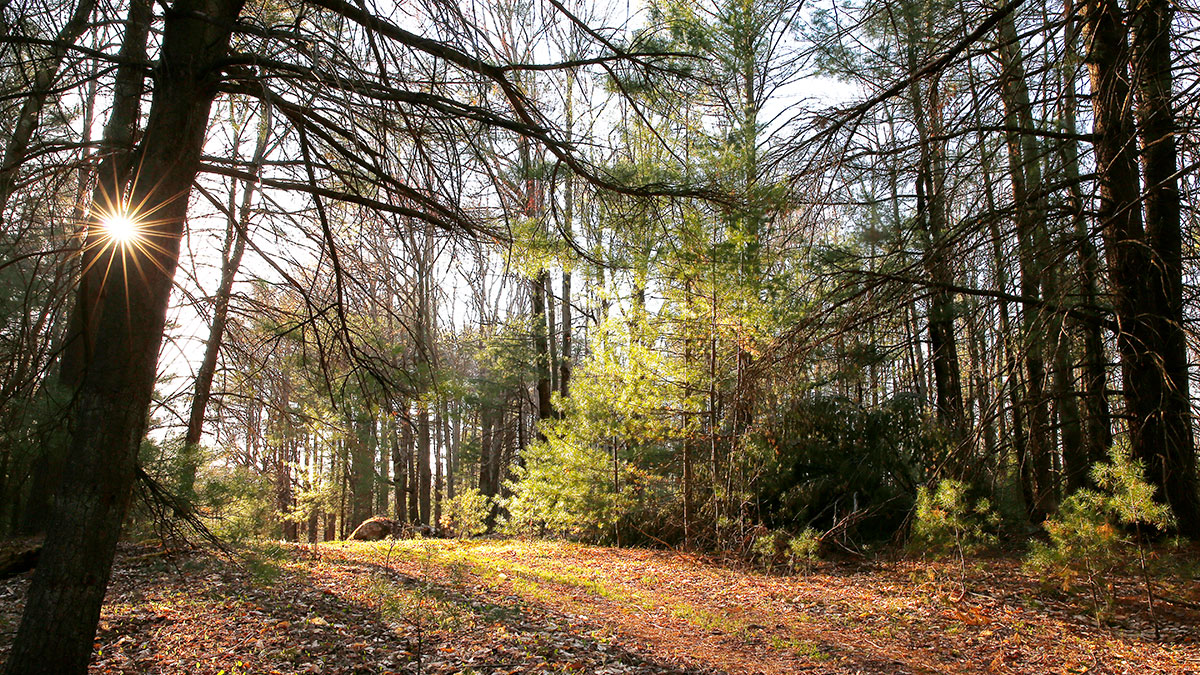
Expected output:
{"points": [[497, 606]]}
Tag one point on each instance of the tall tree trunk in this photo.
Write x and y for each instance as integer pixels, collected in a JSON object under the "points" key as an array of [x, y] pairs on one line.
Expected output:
{"points": [[109, 412], [487, 486], [414, 490], [284, 448], [1164, 440], [1142, 265], [438, 463], [1024, 153], [1097, 425], [931, 208], [541, 348], [330, 526], [362, 466], [402, 462], [551, 333], [453, 455], [564, 363], [689, 452], [113, 175], [423, 469], [383, 451]]}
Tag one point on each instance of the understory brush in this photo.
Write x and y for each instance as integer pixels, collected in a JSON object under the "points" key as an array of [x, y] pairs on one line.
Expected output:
{"points": [[465, 514], [947, 522], [776, 549], [1100, 533]]}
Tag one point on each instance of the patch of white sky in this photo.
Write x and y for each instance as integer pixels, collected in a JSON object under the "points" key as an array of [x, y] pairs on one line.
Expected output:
{"points": [[460, 273]]}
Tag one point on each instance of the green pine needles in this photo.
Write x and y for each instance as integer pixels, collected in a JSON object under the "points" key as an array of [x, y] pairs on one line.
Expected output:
{"points": [[1096, 531]]}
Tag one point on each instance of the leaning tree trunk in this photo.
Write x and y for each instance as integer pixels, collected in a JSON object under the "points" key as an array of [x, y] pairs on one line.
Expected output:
{"points": [[112, 177], [109, 413]]}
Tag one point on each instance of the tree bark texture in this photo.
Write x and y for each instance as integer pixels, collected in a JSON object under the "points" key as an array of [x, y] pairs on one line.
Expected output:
{"points": [[109, 414]]}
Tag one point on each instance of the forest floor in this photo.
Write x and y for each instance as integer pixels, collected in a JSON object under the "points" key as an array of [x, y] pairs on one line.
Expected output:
{"points": [[512, 606]]}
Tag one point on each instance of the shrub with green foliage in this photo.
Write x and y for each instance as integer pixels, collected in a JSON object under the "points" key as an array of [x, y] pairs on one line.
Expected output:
{"points": [[465, 515], [775, 549], [770, 548], [238, 501], [947, 522], [565, 489], [602, 472], [804, 550], [823, 457], [313, 500], [1090, 535]]}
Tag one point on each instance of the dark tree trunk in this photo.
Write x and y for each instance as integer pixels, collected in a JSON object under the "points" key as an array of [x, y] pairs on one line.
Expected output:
{"points": [[439, 420], [113, 175], [943, 344], [487, 486], [564, 363], [1164, 440], [452, 454], [109, 413], [1143, 265], [330, 526], [1036, 276], [564, 358], [541, 347], [1096, 423], [362, 469], [284, 458], [423, 469], [551, 332], [401, 447], [383, 447]]}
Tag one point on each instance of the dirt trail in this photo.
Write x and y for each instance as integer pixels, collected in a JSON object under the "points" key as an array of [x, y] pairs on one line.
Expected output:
{"points": [[496, 606]]}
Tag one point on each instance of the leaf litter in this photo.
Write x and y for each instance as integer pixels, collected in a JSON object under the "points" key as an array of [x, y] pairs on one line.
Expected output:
{"points": [[513, 606]]}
